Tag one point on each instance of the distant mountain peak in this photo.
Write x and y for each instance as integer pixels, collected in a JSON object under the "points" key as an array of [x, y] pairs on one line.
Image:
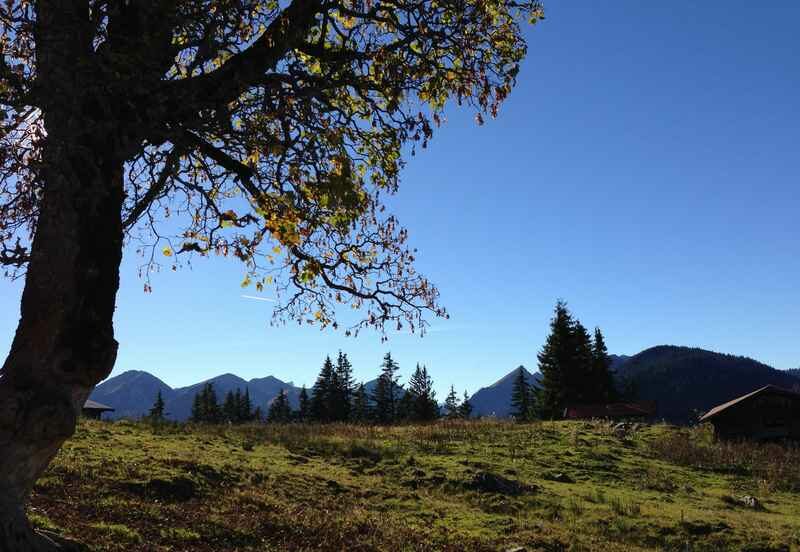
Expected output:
{"points": [[270, 379], [511, 376], [495, 400], [134, 377], [227, 377], [131, 393], [128, 374]]}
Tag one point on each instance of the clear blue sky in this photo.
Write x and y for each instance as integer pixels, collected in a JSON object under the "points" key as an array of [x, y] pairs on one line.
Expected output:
{"points": [[646, 169]]}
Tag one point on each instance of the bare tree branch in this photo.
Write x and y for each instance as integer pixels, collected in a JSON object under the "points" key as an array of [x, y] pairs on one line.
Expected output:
{"points": [[246, 68], [158, 188]]}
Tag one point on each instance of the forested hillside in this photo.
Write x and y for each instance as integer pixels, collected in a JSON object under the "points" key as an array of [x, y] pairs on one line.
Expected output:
{"points": [[686, 380]]}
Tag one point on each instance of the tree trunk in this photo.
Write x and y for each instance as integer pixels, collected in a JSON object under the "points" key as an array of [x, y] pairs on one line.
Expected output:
{"points": [[64, 342]]}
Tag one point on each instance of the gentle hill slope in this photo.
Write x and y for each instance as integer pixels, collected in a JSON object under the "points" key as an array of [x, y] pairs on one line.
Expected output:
{"points": [[446, 487]]}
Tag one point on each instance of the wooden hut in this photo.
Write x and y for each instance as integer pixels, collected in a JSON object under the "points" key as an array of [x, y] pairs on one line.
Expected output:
{"points": [[769, 413], [94, 410]]}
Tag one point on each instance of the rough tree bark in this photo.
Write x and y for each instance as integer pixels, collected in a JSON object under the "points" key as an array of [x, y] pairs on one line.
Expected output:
{"points": [[64, 343]]}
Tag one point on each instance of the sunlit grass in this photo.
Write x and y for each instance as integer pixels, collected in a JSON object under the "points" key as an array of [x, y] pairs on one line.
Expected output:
{"points": [[459, 486]]}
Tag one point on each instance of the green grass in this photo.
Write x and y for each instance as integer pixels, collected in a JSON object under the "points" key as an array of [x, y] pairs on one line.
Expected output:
{"points": [[451, 486], [119, 533]]}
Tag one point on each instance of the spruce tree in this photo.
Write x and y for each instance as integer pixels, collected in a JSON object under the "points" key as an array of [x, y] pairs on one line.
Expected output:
{"points": [[556, 362], [536, 412], [360, 411], [305, 405], [230, 408], [157, 410], [465, 410], [279, 409], [212, 409], [323, 393], [205, 408], [197, 409], [246, 407], [385, 395], [601, 369], [575, 368], [581, 385], [343, 388], [422, 396], [383, 407], [238, 400], [451, 406], [405, 408], [428, 408], [521, 397]]}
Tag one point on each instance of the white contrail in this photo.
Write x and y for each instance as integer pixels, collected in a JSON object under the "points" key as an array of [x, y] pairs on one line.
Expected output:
{"points": [[259, 298]]}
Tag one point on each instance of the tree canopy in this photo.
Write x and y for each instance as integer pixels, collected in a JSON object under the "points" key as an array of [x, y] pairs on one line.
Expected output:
{"points": [[575, 368], [268, 131]]}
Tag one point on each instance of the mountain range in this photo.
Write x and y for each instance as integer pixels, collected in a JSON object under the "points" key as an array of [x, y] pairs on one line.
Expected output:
{"points": [[132, 393], [681, 380]]}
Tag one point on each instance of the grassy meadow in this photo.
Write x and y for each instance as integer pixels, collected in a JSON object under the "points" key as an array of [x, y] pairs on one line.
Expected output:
{"points": [[449, 486]]}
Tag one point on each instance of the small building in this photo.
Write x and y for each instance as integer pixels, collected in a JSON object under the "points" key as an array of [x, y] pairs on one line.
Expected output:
{"points": [[769, 413], [640, 410], [94, 410]]}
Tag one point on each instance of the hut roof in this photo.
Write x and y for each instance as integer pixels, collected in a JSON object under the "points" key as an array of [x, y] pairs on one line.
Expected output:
{"points": [[717, 410], [93, 405]]}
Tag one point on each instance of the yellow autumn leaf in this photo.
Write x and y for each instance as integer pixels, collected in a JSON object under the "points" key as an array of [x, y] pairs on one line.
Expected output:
{"points": [[167, 252], [253, 158]]}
